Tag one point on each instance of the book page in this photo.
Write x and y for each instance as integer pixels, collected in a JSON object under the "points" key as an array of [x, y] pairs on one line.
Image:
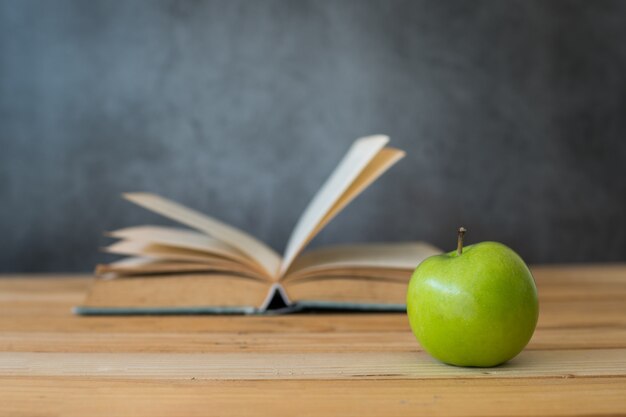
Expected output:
{"points": [[389, 274], [156, 250], [181, 238], [375, 259], [372, 162], [177, 292], [253, 248], [353, 163], [170, 253], [134, 266], [346, 290]]}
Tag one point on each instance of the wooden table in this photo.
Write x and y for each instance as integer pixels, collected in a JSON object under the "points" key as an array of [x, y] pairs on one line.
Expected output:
{"points": [[53, 363]]}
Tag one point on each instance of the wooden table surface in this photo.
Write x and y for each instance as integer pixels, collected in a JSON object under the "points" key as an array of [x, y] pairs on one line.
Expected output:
{"points": [[53, 363]]}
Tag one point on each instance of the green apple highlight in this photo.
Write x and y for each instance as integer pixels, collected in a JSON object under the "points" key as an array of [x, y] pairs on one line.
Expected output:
{"points": [[476, 306]]}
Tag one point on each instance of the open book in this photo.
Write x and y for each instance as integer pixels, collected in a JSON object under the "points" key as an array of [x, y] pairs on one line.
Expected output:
{"points": [[216, 268]]}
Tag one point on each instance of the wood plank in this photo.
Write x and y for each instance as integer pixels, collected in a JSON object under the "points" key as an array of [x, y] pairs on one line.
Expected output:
{"points": [[567, 273], [301, 342], [80, 397], [579, 273], [581, 313], [54, 363], [44, 305], [570, 282], [34, 318], [323, 366]]}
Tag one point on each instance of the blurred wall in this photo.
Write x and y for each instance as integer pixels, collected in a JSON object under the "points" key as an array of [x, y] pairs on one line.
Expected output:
{"points": [[513, 115]]}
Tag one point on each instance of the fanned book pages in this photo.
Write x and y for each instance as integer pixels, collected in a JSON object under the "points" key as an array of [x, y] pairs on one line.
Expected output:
{"points": [[212, 267]]}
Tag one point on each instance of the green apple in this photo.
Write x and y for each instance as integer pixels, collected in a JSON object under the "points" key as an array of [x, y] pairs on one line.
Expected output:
{"points": [[476, 306]]}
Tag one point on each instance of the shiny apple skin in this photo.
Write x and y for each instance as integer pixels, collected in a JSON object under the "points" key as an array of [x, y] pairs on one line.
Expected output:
{"points": [[479, 308]]}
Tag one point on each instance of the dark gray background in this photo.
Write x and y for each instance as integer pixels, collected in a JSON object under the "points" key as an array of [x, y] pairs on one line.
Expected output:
{"points": [[513, 115]]}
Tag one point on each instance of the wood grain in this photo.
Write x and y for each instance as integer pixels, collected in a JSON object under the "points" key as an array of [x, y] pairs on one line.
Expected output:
{"points": [[453, 397], [324, 366], [79, 397], [289, 342], [53, 363]]}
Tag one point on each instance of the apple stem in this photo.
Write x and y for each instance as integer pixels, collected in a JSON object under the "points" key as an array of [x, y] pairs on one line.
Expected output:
{"points": [[459, 241]]}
